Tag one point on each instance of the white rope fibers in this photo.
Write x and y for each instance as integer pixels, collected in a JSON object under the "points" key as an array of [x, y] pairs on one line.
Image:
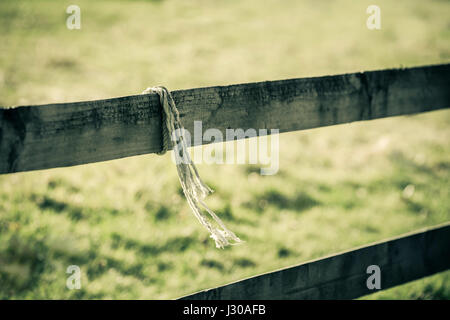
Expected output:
{"points": [[194, 188]]}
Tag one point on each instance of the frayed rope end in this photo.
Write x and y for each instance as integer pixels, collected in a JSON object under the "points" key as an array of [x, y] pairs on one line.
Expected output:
{"points": [[193, 187]]}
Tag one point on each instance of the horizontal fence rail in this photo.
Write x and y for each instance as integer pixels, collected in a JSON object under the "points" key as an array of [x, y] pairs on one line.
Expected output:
{"points": [[344, 276], [66, 134]]}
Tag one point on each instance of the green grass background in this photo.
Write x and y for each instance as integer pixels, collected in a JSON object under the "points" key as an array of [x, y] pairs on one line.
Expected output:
{"points": [[126, 223]]}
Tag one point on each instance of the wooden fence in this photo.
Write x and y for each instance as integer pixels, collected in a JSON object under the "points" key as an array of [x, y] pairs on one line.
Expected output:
{"points": [[344, 275], [66, 134]]}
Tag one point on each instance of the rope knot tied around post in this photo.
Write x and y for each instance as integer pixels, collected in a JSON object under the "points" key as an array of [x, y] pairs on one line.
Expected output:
{"points": [[194, 189]]}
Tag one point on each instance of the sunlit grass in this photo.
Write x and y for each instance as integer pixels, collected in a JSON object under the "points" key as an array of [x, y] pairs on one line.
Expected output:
{"points": [[126, 223]]}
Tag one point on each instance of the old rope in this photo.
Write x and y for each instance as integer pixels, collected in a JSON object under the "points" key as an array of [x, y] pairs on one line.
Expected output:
{"points": [[195, 190]]}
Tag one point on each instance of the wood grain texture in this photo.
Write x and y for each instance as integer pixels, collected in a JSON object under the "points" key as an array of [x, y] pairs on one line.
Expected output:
{"points": [[343, 276], [66, 134]]}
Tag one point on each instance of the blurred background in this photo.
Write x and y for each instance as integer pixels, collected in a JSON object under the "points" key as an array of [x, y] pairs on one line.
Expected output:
{"points": [[126, 222]]}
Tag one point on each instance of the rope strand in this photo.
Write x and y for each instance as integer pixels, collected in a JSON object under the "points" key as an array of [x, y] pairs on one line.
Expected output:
{"points": [[194, 189]]}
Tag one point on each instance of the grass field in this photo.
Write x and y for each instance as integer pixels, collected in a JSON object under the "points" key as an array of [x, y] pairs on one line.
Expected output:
{"points": [[126, 223]]}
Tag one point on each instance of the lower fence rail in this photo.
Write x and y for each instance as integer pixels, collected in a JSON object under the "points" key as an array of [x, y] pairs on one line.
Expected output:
{"points": [[345, 275]]}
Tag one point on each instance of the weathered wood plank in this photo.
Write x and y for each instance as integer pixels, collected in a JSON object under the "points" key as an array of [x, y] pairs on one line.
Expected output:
{"points": [[66, 134], [343, 276]]}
